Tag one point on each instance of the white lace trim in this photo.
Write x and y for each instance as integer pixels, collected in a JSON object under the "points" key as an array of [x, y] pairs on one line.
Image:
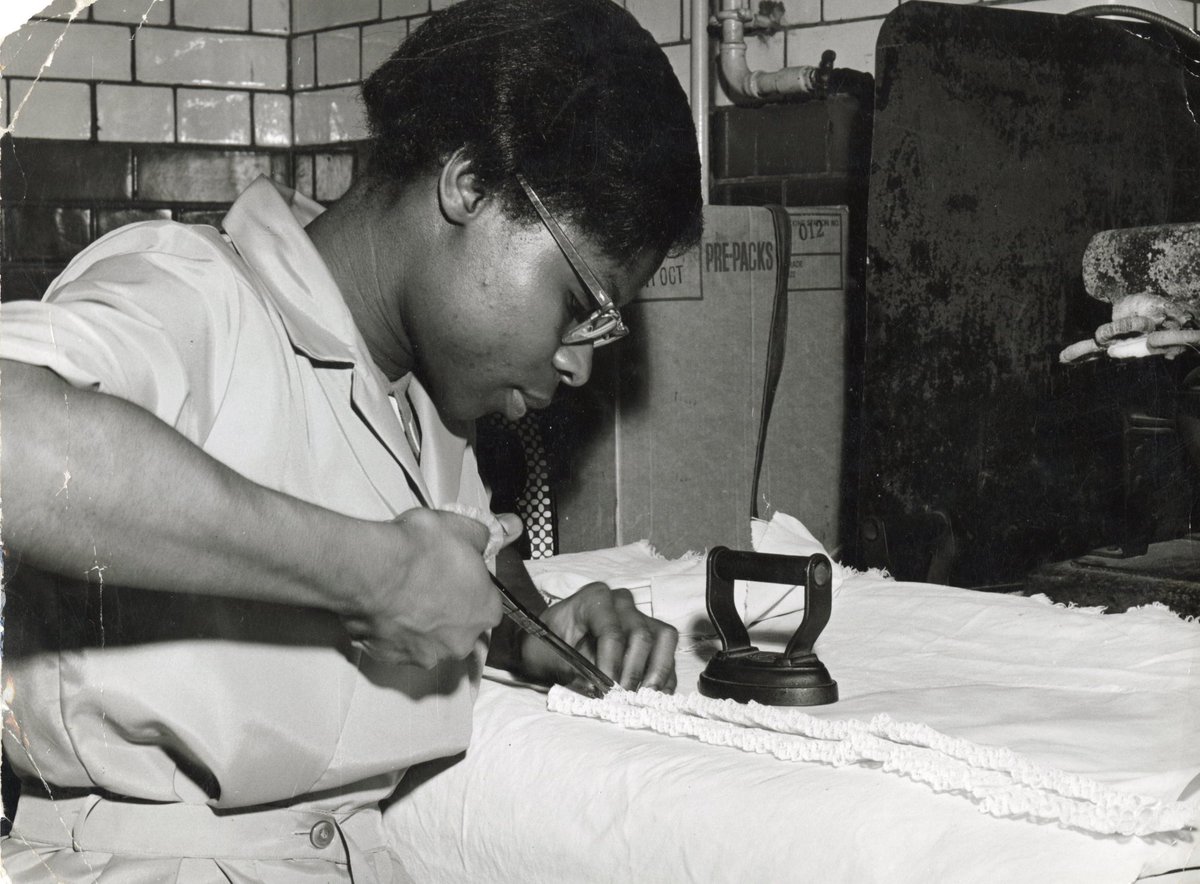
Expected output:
{"points": [[997, 780]]}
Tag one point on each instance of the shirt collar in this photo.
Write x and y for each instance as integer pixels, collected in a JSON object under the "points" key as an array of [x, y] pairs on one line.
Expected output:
{"points": [[266, 226]]}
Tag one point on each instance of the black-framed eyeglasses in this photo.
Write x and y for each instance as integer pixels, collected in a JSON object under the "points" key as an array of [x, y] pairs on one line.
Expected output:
{"points": [[604, 324]]}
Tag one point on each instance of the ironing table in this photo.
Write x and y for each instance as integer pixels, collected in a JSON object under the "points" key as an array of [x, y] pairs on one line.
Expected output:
{"points": [[545, 796]]}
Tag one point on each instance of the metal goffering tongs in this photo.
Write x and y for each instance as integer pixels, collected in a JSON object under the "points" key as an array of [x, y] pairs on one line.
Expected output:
{"points": [[595, 683]]}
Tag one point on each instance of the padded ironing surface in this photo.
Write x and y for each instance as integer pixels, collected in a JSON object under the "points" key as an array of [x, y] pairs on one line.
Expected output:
{"points": [[541, 796]]}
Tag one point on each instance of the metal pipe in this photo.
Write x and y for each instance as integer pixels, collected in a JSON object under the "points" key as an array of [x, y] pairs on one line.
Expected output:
{"points": [[700, 88], [743, 84]]}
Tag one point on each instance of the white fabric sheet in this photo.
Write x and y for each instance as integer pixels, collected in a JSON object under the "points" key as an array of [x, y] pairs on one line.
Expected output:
{"points": [[547, 797]]}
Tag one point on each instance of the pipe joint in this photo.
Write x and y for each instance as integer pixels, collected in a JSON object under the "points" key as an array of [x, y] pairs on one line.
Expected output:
{"points": [[745, 85], [740, 14], [802, 79]]}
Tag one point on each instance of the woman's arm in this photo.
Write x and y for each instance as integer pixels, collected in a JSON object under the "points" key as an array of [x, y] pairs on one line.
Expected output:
{"points": [[97, 488]]}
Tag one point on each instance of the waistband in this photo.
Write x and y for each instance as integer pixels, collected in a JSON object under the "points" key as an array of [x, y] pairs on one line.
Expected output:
{"points": [[91, 823]]}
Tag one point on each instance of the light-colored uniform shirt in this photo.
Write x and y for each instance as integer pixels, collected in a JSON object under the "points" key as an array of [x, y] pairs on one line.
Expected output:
{"points": [[244, 345]]}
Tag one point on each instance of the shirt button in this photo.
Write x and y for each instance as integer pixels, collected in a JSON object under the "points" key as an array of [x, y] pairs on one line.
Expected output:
{"points": [[321, 835]]}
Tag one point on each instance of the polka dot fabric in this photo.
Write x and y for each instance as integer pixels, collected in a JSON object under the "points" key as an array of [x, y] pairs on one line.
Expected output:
{"points": [[535, 502]]}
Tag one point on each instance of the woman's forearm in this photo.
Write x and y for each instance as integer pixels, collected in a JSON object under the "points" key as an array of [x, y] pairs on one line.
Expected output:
{"points": [[97, 488]]}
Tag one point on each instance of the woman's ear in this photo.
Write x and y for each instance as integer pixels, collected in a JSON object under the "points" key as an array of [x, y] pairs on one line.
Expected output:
{"points": [[460, 196]]}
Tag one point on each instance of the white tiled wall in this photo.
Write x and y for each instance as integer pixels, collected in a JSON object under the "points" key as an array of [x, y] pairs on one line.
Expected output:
{"points": [[272, 119], [840, 10], [246, 60], [232, 15], [284, 71], [133, 12], [802, 12], [61, 109], [91, 52], [313, 15], [327, 116], [61, 9], [379, 41], [397, 8], [304, 61], [135, 113], [681, 62], [271, 16], [194, 71], [208, 115], [853, 41], [338, 56], [333, 171], [765, 53], [662, 18]]}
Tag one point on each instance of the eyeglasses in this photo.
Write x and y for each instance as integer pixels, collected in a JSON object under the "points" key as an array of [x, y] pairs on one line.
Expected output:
{"points": [[604, 324]]}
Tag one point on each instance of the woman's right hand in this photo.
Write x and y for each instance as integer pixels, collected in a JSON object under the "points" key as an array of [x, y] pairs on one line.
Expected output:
{"points": [[431, 597]]}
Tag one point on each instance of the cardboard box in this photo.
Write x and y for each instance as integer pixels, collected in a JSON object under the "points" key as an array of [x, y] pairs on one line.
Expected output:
{"points": [[682, 394]]}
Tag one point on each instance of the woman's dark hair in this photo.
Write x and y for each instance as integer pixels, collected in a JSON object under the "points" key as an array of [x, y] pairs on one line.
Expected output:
{"points": [[574, 94]]}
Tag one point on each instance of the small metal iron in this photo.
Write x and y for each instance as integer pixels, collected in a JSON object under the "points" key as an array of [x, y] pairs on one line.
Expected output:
{"points": [[742, 672]]}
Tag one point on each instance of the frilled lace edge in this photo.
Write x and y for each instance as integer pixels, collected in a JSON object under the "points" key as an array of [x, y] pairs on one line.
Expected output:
{"points": [[998, 781]]}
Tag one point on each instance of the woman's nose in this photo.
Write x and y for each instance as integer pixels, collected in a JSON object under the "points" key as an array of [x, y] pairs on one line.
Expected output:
{"points": [[574, 363]]}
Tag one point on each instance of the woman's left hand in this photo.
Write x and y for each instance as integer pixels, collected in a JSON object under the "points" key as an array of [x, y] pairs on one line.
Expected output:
{"points": [[602, 623]]}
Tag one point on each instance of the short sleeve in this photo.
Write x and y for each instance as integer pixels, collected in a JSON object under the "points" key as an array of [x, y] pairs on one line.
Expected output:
{"points": [[148, 314]]}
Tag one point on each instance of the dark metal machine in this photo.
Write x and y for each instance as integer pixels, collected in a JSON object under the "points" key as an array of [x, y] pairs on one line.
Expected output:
{"points": [[740, 671], [1003, 141], [1151, 277]]}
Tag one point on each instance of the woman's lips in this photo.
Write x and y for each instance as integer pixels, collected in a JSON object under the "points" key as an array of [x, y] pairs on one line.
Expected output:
{"points": [[517, 404], [536, 402]]}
